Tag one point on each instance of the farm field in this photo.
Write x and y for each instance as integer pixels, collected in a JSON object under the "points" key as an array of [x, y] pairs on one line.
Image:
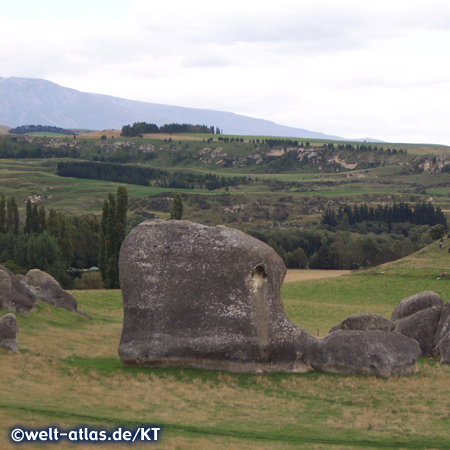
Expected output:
{"points": [[68, 373]]}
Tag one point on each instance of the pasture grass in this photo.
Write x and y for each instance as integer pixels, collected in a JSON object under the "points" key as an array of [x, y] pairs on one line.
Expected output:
{"points": [[68, 373]]}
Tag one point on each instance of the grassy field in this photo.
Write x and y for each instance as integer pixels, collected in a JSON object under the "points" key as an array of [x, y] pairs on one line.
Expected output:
{"points": [[68, 373]]}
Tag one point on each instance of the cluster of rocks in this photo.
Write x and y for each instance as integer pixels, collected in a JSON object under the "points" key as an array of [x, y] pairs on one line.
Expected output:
{"points": [[209, 297], [19, 294], [422, 317]]}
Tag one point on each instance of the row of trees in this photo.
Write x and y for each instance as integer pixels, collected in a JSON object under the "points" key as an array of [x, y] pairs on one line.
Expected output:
{"points": [[54, 242], [27, 129], [421, 214], [146, 176], [140, 128], [320, 249]]}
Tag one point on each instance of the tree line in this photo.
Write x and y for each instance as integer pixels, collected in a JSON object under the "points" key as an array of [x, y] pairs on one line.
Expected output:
{"points": [[146, 176], [321, 249], [7, 152], [57, 243], [140, 128], [27, 129], [421, 214]]}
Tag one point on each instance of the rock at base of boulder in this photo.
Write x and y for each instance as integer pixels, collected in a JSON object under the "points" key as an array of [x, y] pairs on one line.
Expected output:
{"points": [[8, 332], [367, 321], [366, 353], [48, 290], [416, 303], [421, 327], [14, 296]]}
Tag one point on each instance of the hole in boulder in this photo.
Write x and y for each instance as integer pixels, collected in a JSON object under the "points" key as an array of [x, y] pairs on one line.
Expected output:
{"points": [[259, 275]]}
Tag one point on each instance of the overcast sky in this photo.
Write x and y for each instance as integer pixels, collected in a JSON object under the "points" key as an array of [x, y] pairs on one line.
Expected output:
{"points": [[352, 68]]}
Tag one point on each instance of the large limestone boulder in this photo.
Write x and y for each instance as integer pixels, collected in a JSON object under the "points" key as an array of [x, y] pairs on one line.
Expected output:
{"points": [[205, 297], [421, 326], [209, 297], [8, 332], [415, 303], [365, 321], [48, 290], [366, 353], [14, 296]]}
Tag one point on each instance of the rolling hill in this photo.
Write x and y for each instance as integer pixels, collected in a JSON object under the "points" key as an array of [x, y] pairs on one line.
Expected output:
{"points": [[25, 101]]}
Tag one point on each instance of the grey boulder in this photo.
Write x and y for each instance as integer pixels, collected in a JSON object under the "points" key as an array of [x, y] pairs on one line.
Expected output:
{"points": [[8, 332], [209, 297], [442, 350], [48, 290], [415, 303], [14, 296], [205, 297], [366, 353], [421, 326]]}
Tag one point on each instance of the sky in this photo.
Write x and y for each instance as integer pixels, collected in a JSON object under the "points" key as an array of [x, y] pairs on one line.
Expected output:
{"points": [[357, 69]]}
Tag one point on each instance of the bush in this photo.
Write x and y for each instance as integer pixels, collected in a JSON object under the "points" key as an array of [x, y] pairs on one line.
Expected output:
{"points": [[89, 280]]}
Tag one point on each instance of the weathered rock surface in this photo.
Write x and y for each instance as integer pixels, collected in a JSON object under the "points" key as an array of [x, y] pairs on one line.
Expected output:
{"points": [[366, 353], [8, 332], [443, 328], [415, 303], [442, 350], [209, 297], [422, 327], [205, 297], [48, 290], [14, 296], [366, 321]]}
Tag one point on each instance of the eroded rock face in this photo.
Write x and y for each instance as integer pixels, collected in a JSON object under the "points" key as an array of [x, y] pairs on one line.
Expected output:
{"points": [[14, 296], [365, 321], [442, 350], [209, 297], [8, 332], [366, 353], [48, 290], [415, 303], [443, 328], [421, 326], [206, 297]]}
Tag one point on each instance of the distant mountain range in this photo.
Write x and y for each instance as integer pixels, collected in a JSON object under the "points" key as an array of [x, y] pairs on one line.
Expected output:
{"points": [[27, 101]]}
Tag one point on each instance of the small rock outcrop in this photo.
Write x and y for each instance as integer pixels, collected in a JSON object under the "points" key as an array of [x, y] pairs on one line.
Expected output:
{"points": [[416, 303], [14, 296], [365, 321], [366, 353], [48, 290], [209, 297], [8, 332]]}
